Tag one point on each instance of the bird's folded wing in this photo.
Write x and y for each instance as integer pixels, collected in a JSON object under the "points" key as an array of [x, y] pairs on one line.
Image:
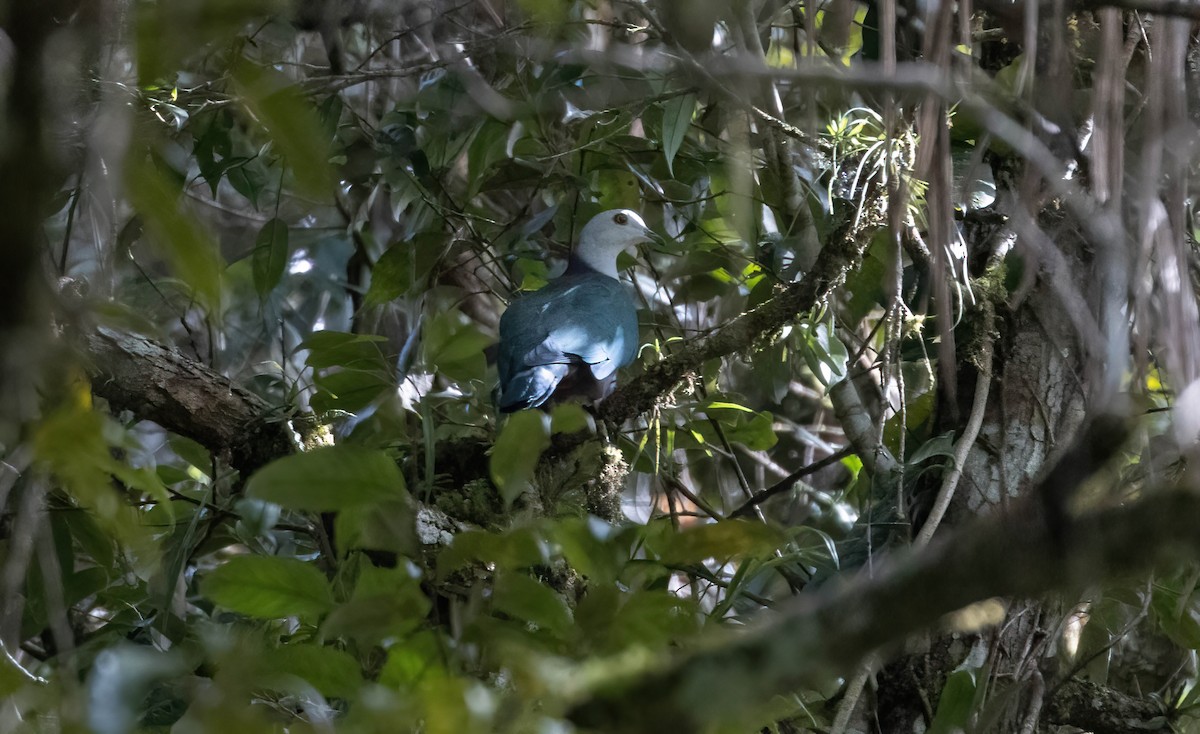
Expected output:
{"points": [[577, 321]]}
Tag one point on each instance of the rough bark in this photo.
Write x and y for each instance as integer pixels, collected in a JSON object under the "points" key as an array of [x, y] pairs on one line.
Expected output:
{"points": [[159, 384]]}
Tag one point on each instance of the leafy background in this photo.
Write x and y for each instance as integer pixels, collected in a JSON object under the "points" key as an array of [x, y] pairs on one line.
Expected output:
{"points": [[322, 208]]}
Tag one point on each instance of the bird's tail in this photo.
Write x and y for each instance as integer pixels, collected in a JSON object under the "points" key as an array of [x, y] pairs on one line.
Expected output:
{"points": [[531, 387]]}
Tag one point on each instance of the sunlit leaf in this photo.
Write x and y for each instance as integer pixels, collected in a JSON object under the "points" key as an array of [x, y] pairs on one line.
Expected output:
{"points": [[329, 670], [329, 479], [722, 541], [269, 587], [520, 444]]}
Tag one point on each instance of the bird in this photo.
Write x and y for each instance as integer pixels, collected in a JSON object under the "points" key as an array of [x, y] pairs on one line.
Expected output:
{"points": [[569, 338]]}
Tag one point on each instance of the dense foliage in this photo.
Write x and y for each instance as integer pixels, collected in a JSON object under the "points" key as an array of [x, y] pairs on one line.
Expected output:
{"points": [[254, 478]]}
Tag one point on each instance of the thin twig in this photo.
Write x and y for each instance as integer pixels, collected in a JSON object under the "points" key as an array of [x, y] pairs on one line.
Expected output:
{"points": [[965, 442]]}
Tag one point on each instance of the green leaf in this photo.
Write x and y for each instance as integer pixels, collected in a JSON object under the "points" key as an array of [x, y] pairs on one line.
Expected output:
{"points": [[587, 544], [329, 670], [404, 267], [348, 351], [387, 526], [388, 603], [270, 256], [187, 246], [348, 390], [824, 352], [677, 118], [1176, 607], [722, 541], [942, 445], [453, 344], [955, 703], [517, 595], [514, 457], [755, 430], [293, 125], [269, 587], [519, 548], [550, 13], [653, 618], [410, 661], [329, 479], [569, 418]]}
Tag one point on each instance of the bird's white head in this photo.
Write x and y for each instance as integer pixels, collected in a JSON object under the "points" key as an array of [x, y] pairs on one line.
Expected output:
{"points": [[607, 235]]}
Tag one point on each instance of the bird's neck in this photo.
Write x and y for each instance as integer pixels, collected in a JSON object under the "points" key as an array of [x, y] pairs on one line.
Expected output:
{"points": [[589, 262]]}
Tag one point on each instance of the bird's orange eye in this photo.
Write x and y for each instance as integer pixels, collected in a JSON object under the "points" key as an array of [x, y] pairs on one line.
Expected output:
{"points": [[621, 218]]}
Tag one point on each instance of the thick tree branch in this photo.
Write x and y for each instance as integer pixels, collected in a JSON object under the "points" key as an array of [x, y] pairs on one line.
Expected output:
{"points": [[1014, 554], [1102, 710], [642, 393], [159, 384]]}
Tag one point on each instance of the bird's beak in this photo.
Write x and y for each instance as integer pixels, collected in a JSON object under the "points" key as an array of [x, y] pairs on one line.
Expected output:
{"points": [[657, 243]]}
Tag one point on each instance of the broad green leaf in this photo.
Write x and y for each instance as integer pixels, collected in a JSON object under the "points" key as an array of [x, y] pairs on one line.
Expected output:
{"points": [[270, 256], [409, 662], [186, 244], [76, 444], [721, 540], [344, 350], [385, 526], [520, 596], [754, 430], [387, 603], [487, 148], [677, 117], [955, 703], [292, 124], [569, 418], [349, 390], [329, 670], [403, 268], [169, 32], [519, 548], [942, 445], [329, 479], [453, 344], [1176, 608], [654, 618], [545, 12], [269, 587], [514, 457], [587, 544]]}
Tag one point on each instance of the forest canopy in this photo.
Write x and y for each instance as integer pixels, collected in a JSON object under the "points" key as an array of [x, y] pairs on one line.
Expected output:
{"points": [[906, 444]]}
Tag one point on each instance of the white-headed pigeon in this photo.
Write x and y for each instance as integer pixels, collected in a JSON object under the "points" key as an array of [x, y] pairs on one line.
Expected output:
{"points": [[568, 339]]}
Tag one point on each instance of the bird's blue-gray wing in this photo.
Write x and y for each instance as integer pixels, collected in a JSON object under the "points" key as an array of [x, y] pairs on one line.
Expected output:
{"points": [[575, 321]]}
